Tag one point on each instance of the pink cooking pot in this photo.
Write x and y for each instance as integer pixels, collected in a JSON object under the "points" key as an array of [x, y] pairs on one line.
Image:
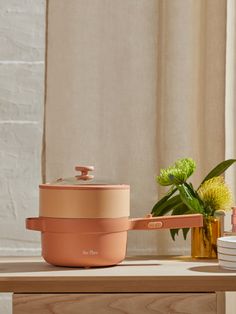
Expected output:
{"points": [[86, 225]]}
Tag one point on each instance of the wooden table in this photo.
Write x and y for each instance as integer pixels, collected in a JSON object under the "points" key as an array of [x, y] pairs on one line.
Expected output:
{"points": [[138, 285]]}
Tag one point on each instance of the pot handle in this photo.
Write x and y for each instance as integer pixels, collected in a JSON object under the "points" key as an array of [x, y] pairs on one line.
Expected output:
{"points": [[166, 222], [34, 224], [84, 172]]}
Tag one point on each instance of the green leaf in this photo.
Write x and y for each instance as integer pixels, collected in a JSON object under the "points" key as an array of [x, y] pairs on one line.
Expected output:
{"points": [[190, 188], [173, 233], [167, 206], [180, 210], [194, 193], [189, 200], [219, 169], [163, 200], [185, 232]]}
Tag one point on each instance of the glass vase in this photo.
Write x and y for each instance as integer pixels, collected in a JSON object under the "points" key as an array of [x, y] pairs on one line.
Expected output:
{"points": [[204, 239]]}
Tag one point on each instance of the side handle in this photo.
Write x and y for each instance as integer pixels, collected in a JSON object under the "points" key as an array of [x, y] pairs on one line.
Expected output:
{"points": [[166, 222], [34, 224]]}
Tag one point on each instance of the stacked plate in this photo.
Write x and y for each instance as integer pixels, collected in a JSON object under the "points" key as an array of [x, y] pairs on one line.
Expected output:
{"points": [[226, 247]]}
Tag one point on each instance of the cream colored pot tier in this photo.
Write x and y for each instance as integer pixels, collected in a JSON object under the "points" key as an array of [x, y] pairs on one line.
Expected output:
{"points": [[68, 198]]}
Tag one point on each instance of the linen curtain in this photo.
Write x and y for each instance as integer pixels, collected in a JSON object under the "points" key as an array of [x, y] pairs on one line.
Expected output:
{"points": [[133, 85], [230, 95]]}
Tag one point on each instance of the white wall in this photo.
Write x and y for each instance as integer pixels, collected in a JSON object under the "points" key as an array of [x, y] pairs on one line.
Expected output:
{"points": [[21, 115]]}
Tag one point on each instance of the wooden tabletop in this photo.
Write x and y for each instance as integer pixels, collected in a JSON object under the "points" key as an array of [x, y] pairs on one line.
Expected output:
{"points": [[135, 274]]}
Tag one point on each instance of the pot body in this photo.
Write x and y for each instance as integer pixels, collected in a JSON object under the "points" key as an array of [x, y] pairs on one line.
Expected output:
{"points": [[83, 225], [82, 242], [88, 201], [94, 242], [83, 250]]}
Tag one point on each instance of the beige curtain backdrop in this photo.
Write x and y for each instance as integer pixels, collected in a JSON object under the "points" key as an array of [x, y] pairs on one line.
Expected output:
{"points": [[230, 95], [133, 85]]}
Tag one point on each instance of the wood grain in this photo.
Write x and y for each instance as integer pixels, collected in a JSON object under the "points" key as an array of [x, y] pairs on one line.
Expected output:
{"points": [[115, 303]]}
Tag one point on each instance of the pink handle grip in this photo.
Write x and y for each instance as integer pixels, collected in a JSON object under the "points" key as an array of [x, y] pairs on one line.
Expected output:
{"points": [[166, 222]]}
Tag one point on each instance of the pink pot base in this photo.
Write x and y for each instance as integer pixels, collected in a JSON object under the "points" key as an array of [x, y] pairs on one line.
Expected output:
{"points": [[84, 250]]}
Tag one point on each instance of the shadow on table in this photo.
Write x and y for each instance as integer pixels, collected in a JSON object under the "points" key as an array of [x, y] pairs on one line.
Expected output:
{"points": [[144, 261], [139, 264], [34, 267], [26, 267], [176, 258], [211, 269]]}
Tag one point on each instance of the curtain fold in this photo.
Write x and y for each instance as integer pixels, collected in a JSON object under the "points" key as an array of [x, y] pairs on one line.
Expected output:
{"points": [[191, 87], [132, 86], [230, 98], [192, 82]]}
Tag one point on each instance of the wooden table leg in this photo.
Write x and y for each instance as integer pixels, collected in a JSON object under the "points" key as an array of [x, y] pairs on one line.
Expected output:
{"points": [[220, 299]]}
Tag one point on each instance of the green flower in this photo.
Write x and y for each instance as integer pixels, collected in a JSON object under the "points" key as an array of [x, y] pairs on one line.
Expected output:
{"points": [[179, 172]]}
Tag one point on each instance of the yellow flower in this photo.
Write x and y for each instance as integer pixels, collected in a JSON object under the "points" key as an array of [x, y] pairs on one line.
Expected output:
{"points": [[216, 194]]}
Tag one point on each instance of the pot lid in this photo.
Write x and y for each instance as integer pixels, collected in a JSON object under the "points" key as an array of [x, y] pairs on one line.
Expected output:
{"points": [[81, 181]]}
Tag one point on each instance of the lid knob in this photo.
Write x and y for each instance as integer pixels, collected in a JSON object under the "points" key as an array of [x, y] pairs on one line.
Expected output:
{"points": [[84, 172]]}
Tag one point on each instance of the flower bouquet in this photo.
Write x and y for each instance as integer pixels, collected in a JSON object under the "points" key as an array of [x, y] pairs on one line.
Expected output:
{"points": [[212, 196]]}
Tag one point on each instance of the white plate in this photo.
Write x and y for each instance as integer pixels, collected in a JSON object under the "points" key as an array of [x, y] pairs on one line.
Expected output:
{"points": [[228, 242], [226, 257], [227, 264], [226, 250]]}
